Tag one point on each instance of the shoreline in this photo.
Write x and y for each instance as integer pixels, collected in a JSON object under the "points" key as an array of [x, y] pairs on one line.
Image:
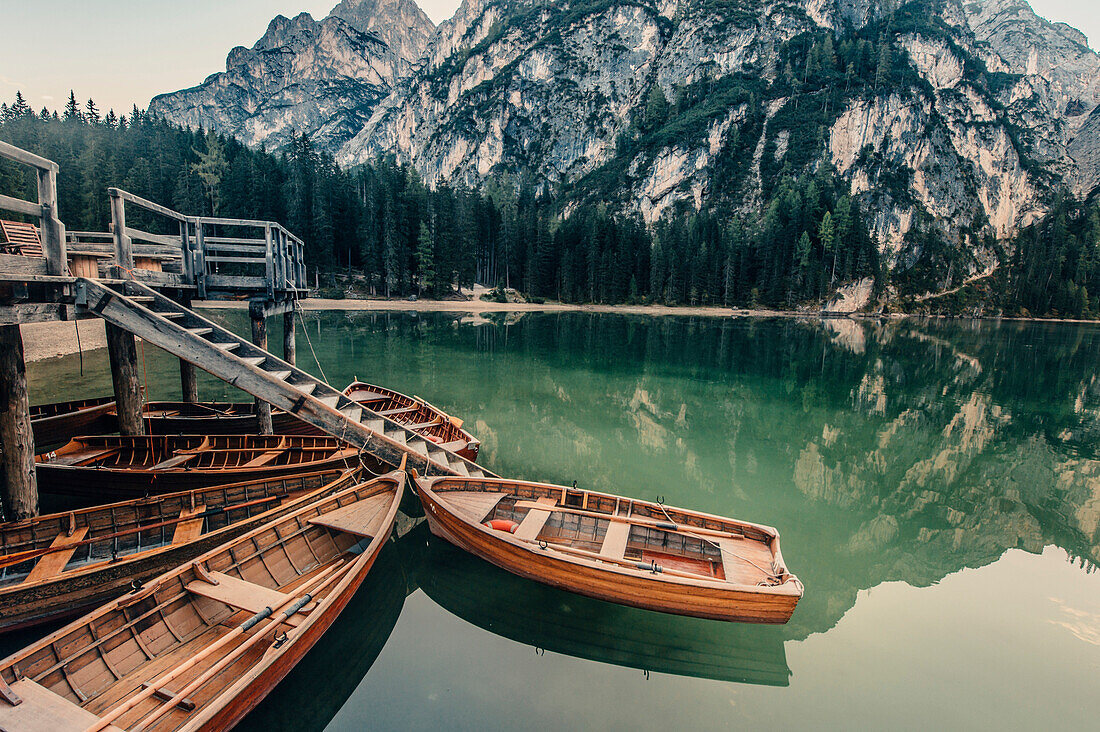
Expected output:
{"points": [[43, 341]]}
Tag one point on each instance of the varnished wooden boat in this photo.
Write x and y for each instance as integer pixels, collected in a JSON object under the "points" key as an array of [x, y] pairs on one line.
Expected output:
{"points": [[115, 468], [199, 646], [561, 622], [617, 549], [417, 415], [217, 418], [56, 566], [56, 424]]}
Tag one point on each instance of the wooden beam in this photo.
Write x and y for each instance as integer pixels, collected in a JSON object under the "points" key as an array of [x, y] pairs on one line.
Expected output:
{"points": [[18, 205], [259, 339], [146, 204], [290, 345], [19, 487], [30, 312], [19, 155], [122, 350], [53, 231], [124, 255]]}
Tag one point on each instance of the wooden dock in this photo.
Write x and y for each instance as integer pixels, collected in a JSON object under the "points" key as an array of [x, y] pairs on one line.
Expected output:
{"points": [[143, 283]]}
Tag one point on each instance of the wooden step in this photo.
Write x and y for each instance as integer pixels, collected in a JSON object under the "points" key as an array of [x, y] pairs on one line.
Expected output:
{"points": [[420, 446], [254, 360], [398, 436], [306, 388], [353, 412], [282, 376], [459, 466], [476, 472], [330, 401], [200, 332], [171, 315], [229, 347], [376, 425]]}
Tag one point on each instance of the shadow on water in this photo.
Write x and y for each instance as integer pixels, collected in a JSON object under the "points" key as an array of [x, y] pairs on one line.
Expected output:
{"points": [[561, 622], [315, 690]]}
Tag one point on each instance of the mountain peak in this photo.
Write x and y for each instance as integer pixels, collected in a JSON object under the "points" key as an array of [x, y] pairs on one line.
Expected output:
{"points": [[402, 24]]}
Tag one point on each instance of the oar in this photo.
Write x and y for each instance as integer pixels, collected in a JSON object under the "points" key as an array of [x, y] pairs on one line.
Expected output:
{"points": [[25, 556], [239, 651], [266, 614]]}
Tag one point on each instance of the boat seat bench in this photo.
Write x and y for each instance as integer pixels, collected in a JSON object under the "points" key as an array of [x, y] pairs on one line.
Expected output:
{"points": [[191, 528], [531, 525], [614, 541], [44, 711], [362, 518], [54, 563], [241, 594]]}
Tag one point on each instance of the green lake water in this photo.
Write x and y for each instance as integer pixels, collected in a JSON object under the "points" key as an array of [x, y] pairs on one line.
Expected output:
{"points": [[936, 486]]}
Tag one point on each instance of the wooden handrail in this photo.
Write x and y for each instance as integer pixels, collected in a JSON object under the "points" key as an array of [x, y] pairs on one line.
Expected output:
{"points": [[19, 155], [53, 231]]}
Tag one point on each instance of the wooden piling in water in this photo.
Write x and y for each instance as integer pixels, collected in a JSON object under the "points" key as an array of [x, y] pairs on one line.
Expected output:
{"points": [[189, 377], [290, 345], [20, 485], [259, 339], [122, 352]]}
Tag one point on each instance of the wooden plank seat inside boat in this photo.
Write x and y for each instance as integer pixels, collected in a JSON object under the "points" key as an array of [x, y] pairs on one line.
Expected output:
{"points": [[399, 411], [41, 710], [190, 528], [54, 563], [615, 540], [241, 594], [364, 518], [532, 524], [475, 505]]}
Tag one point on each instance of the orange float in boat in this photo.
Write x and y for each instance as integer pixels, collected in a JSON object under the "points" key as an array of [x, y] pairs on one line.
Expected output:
{"points": [[502, 525]]}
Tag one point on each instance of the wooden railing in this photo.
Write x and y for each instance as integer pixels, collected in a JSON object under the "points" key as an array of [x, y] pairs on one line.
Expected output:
{"points": [[215, 255], [51, 230]]}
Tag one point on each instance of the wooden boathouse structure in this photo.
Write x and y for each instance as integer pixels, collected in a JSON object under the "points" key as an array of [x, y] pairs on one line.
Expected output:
{"points": [[143, 285]]}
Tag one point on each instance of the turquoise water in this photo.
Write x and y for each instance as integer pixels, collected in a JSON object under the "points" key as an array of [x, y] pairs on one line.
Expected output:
{"points": [[936, 486]]}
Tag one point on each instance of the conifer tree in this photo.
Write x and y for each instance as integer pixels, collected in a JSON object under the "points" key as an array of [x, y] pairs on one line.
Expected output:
{"points": [[72, 108], [91, 112]]}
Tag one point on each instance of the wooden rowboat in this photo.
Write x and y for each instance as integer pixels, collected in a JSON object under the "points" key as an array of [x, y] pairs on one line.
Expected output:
{"points": [[217, 418], [105, 468], [57, 565], [617, 549], [200, 646], [56, 424], [417, 415]]}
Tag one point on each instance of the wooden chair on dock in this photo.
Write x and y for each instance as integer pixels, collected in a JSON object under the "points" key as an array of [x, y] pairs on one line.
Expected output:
{"points": [[20, 238]]}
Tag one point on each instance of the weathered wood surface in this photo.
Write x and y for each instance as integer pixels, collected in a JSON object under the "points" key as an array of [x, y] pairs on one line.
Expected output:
{"points": [[290, 343], [122, 353], [262, 374], [18, 205], [20, 487], [259, 339]]}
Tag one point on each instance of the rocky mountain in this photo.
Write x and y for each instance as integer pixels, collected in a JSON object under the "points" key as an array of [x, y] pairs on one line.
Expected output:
{"points": [[953, 122], [322, 78]]}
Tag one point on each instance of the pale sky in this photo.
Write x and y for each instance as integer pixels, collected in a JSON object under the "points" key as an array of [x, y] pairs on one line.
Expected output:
{"points": [[126, 51]]}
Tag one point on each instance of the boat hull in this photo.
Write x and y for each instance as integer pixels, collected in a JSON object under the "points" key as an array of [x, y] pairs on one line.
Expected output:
{"points": [[57, 429], [769, 605], [26, 605]]}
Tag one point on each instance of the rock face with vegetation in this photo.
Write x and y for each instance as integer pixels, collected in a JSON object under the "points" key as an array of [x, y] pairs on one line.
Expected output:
{"points": [[946, 127], [319, 78]]}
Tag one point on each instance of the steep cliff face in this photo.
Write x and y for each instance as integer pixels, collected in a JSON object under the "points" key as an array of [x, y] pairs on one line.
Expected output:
{"points": [[321, 78], [985, 110], [952, 121]]}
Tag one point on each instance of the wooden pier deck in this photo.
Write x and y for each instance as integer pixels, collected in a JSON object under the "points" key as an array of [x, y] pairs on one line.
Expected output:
{"points": [[143, 283]]}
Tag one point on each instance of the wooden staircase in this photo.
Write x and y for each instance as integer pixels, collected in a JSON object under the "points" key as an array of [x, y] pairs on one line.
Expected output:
{"points": [[147, 314]]}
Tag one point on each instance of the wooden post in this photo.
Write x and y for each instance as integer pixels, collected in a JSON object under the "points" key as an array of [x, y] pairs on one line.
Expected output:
{"points": [[200, 258], [290, 345], [259, 339], [122, 351], [189, 376], [53, 231], [124, 253], [20, 486]]}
